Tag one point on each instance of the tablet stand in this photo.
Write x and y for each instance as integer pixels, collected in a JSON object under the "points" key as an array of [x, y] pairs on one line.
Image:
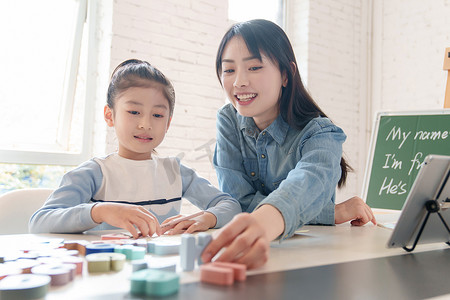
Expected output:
{"points": [[432, 206]]}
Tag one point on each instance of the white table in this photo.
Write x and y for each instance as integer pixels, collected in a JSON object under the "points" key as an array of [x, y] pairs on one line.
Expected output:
{"points": [[313, 246]]}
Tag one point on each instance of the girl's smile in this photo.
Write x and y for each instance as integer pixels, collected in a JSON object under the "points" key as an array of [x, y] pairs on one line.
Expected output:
{"points": [[143, 138]]}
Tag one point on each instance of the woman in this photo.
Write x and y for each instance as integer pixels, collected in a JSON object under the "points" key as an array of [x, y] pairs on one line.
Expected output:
{"points": [[277, 153]]}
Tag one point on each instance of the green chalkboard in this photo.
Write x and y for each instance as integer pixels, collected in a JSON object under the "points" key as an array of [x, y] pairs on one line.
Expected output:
{"points": [[400, 143]]}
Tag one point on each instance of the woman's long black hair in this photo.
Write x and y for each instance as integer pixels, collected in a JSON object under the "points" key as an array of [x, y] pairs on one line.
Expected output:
{"points": [[297, 107]]}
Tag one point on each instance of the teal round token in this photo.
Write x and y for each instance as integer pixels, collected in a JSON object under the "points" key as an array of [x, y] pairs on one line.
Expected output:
{"points": [[154, 283], [131, 252], [161, 283]]}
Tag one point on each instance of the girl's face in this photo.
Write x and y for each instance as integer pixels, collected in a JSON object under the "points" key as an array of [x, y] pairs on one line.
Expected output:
{"points": [[140, 118], [253, 86]]}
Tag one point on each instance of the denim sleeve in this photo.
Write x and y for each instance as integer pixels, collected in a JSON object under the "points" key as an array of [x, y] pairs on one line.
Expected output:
{"points": [[307, 194], [205, 196], [228, 160], [67, 210]]}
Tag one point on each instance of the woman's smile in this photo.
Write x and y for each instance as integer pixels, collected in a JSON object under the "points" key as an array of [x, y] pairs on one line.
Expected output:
{"points": [[245, 99]]}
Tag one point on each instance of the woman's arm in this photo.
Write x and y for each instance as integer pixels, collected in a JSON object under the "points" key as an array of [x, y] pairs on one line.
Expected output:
{"points": [[307, 194], [301, 197]]}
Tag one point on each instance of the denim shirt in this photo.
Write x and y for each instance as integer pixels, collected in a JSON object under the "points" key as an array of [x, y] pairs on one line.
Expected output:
{"points": [[294, 171]]}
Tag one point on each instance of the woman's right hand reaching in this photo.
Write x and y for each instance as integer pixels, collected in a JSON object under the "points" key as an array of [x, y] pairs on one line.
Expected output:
{"points": [[126, 216], [247, 238]]}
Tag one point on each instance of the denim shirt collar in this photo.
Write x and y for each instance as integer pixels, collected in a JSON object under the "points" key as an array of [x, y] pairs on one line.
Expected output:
{"points": [[278, 129]]}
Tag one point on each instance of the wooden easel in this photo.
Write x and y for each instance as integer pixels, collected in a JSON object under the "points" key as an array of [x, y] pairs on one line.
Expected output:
{"points": [[447, 67]]}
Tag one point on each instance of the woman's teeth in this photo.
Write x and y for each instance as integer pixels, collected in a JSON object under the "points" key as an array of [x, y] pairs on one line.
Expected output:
{"points": [[245, 97]]}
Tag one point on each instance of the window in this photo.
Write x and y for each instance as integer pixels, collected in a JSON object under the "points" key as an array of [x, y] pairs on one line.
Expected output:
{"points": [[45, 81], [243, 10], [18, 176]]}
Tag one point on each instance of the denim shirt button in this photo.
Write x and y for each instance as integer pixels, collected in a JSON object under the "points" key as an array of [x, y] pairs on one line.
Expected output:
{"points": [[262, 184], [263, 156], [264, 133], [253, 173]]}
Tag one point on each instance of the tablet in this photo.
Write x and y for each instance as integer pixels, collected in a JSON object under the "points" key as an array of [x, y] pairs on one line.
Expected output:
{"points": [[432, 183]]}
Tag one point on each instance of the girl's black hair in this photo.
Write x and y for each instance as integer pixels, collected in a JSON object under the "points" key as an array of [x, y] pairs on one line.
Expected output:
{"points": [[297, 107], [138, 73]]}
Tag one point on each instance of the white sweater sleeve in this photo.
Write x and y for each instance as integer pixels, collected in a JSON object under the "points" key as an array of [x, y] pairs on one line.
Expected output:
{"points": [[68, 208]]}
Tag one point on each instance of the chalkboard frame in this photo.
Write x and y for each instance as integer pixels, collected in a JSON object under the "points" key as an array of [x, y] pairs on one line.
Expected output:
{"points": [[374, 136]]}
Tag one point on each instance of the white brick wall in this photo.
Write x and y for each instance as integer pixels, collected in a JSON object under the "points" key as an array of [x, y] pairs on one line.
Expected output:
{"points": [[411, 46], [297, 29], [336, 69]]}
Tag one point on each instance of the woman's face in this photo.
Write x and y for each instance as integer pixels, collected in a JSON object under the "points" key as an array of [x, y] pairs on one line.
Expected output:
{"points": [[253, 86]]}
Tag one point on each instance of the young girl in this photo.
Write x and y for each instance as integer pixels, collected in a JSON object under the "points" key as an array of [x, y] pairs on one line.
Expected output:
{"points": [[133, 189], [277, 153]]}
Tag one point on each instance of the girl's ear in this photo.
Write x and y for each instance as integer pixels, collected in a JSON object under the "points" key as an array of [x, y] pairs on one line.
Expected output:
{"points": [[108, 114], [285, 79], [168, 124]]}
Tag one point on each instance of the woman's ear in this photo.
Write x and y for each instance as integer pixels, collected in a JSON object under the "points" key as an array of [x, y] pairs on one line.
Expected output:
{"points": [[285, 80], [294, 69], [108, 115]]}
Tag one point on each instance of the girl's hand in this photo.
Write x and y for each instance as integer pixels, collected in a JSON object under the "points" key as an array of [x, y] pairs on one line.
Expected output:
{"points": [[126, 216], [201, 223], [354, 210], [245, 239]]}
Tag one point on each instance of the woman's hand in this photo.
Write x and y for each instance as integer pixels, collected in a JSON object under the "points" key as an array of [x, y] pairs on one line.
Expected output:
{"points": [[354, 210], [201, 223], [247, 237], [126, 216], [245, 240]]}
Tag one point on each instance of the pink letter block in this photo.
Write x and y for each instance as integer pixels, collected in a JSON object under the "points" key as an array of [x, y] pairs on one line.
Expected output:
{"points": [[216, 275], [239, 270]]}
